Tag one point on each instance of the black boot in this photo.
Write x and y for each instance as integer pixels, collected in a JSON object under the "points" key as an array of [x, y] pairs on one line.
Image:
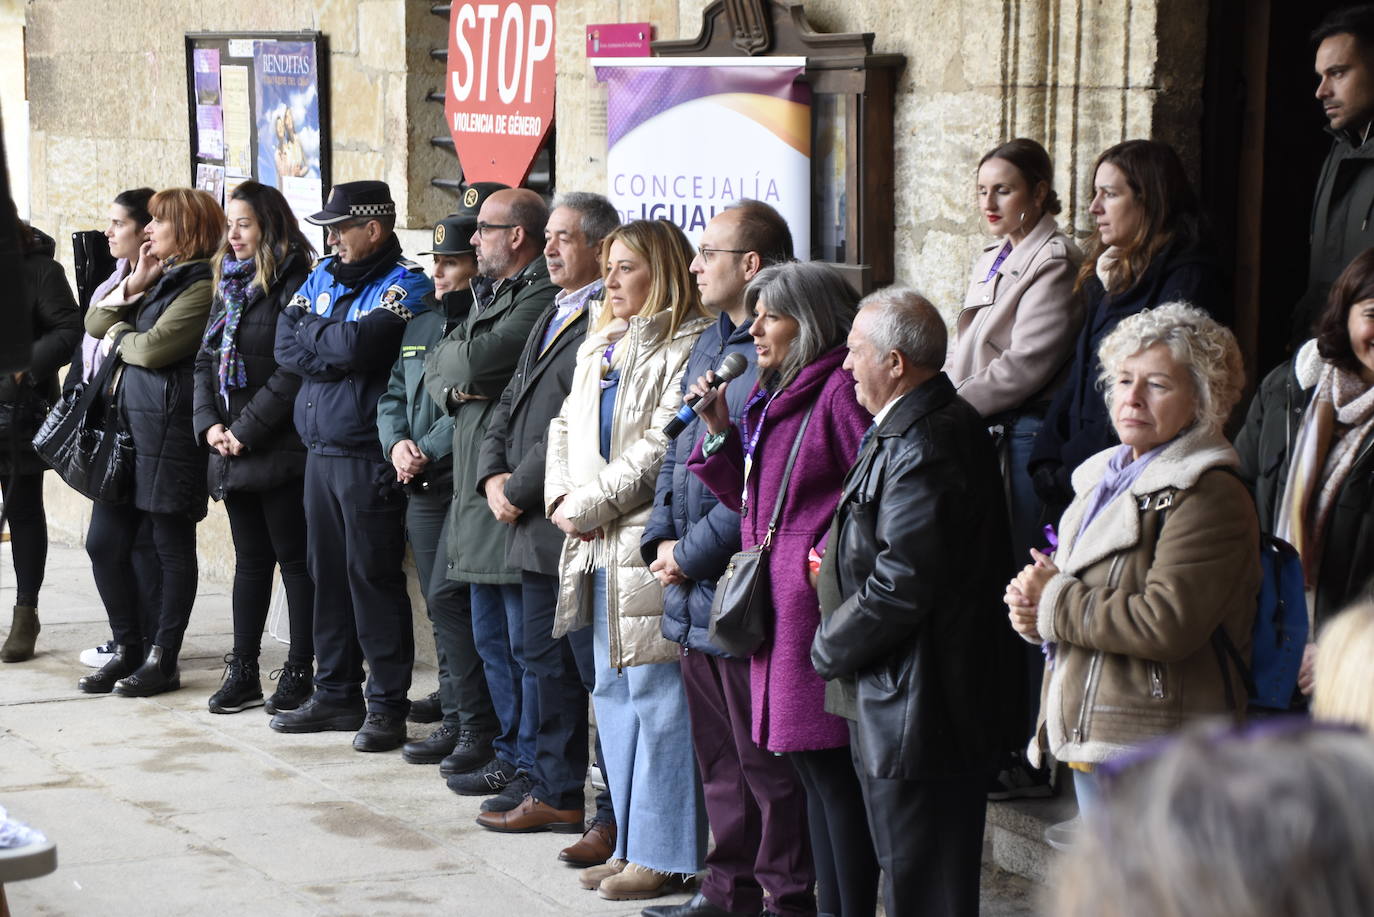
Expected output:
{"points": [[152, 677], [102, 681], [241, 687], [295, 684]]}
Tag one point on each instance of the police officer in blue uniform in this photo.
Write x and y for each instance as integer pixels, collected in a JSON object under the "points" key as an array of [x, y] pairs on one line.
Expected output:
{"points": [[341, 333]]}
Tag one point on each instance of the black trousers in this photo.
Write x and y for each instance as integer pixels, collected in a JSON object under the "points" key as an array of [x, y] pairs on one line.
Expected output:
{"points": [[28, 525], [110, 546], [268, 528], [355, 545], [463, 694], [846, 867], [929, 840]]}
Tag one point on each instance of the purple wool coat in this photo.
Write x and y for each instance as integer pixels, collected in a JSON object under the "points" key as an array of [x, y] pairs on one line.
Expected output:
{"points": [[788, 696]]}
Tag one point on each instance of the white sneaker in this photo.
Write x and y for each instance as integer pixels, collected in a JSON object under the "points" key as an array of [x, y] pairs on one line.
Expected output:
{"points": [[97, 656], [598, 779]]}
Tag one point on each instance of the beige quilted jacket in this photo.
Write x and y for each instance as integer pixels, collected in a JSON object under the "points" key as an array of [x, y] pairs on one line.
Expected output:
{"points": [[616, 497]]}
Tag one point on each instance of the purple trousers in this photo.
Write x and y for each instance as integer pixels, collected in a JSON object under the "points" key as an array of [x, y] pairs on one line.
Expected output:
{"points": [[755, 804]]}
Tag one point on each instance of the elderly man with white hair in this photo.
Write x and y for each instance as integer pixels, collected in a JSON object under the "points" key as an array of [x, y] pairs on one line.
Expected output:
{"points": [[912, 641]]}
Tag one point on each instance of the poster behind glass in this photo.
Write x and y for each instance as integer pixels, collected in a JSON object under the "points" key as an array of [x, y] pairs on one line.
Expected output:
{"points": [[288, 123]]}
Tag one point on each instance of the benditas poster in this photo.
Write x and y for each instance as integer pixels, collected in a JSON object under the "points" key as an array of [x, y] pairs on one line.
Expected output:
{"points": [[288, 121], [687, 139]]}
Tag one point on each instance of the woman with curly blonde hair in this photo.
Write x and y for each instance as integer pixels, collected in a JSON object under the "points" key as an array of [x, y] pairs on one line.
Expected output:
{"points": [[1159, 549]]}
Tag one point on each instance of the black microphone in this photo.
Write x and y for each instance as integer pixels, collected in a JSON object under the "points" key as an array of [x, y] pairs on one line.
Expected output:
{"points": [[729, 368]]}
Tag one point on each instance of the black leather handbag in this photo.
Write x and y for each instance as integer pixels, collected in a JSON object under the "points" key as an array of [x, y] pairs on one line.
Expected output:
{"points": [[743, 605], [84, 439]]}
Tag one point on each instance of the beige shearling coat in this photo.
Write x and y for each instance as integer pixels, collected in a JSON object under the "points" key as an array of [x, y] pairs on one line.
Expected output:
{"points": [[1015, 333], [1133, 608], [616, 497]]}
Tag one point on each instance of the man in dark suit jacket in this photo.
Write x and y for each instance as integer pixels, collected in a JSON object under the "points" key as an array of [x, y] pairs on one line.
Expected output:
{"points": [[511, 474], [912, 636]]}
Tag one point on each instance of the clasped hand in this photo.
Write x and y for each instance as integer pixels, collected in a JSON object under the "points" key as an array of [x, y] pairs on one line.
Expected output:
{"points": [[1023, 593], [223, 441], [408, 460]]}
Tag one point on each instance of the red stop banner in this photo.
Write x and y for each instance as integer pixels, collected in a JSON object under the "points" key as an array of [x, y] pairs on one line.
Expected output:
{"points": [[499, 96]]}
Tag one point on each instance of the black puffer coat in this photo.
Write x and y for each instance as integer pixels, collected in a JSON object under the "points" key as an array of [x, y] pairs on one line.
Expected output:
{"points": [[169, 466], [56, 329], [259, 414]]}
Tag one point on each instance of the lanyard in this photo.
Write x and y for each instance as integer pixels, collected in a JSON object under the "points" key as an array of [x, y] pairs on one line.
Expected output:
{"points": [[1001, 256], [751, 439]]}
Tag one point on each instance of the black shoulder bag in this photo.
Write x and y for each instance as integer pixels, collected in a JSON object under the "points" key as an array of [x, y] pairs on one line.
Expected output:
{"points": [[742, 606], [84, 439]]}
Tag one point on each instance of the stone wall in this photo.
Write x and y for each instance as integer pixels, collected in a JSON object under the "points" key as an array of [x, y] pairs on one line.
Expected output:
{"points": [[107, 83], [1078, 75]]}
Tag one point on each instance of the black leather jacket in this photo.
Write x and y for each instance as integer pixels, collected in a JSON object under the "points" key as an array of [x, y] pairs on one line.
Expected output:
{"points": [[914, 636]]}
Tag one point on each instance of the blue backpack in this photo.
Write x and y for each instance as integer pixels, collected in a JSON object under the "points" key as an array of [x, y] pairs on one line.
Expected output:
{"points": [[1279, 636]]}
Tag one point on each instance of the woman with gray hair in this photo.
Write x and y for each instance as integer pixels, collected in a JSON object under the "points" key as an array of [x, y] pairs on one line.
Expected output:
{"points": [[802, 315], [1272, 821], [1158, 550]]}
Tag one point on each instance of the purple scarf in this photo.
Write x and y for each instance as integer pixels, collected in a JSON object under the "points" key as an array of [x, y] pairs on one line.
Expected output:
{"points": [[1121, 474], [237, 291]]}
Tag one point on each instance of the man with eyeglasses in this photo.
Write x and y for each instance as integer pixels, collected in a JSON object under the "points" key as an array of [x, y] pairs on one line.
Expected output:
{"points": [[754, 802], [466, 374], [341, 333]]}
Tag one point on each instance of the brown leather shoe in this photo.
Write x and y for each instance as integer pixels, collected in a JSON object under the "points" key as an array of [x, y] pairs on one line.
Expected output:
{"points": [[532, 815], [595, 848]]}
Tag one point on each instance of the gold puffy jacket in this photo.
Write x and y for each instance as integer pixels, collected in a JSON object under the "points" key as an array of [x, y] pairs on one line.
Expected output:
{"points": [[615, 498]]}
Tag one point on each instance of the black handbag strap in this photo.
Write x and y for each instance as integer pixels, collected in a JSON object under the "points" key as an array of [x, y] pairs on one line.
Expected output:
{"points": [[105, 382], [787, 476]]}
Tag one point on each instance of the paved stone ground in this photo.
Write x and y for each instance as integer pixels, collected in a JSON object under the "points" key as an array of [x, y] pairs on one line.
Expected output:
{"points": [[160, 807]]}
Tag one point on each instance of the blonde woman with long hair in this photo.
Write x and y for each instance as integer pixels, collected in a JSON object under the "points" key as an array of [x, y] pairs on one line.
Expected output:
{"points": [[604, 453]]}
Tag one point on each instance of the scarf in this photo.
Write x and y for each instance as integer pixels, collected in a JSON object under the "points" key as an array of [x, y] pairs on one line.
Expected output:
{"points": [[237, 291], [90, 346], [1106, 265], [1122, 472], [1336, 422], [353, 275]]}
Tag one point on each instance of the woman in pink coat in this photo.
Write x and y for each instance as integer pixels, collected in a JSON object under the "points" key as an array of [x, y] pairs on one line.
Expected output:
{"points": [[802, 313]]}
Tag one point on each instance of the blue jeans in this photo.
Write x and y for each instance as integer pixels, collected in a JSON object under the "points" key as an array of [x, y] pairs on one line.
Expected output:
{"points": [[1024, 505], [498, 629], [642, 720], [1086, 786]]}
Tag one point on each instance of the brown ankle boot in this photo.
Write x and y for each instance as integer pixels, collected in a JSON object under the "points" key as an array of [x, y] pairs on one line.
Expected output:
{"points": [[23, 635]]}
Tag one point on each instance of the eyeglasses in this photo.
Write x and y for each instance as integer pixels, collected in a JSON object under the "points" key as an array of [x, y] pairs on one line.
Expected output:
{"points": [[708, 253], [483, 227], [338, 229]]}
